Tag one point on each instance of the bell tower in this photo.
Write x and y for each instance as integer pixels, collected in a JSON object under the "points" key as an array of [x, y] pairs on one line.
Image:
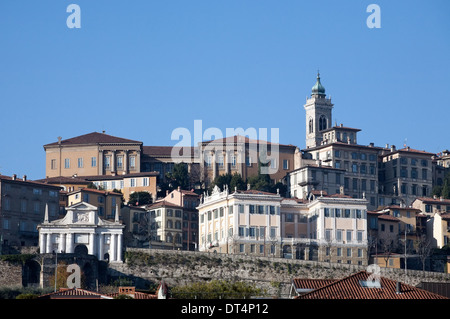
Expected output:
{"points": [[318, 114]]}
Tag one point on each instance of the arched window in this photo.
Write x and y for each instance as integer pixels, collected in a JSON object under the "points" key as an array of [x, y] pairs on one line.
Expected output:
{"points": [[322, 123], [311, 126]]}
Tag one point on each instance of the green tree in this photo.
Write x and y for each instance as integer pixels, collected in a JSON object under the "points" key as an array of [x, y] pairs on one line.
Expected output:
{"points": [[179, 176], [140, 198], [238, 182], [215, 289]]}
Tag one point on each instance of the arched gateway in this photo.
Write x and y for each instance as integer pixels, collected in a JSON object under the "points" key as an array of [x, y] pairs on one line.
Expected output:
{"points": [[81, 227]]}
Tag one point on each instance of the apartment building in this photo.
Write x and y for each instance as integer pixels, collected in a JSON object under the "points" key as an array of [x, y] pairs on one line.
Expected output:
{"points": [[165, 222], [437, 211], [405, 174], [322, 228], [189, 200], [240, 222], [22, 207]]}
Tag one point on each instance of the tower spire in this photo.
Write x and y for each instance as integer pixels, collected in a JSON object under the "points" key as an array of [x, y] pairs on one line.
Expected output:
{"points": [[318, 88]]}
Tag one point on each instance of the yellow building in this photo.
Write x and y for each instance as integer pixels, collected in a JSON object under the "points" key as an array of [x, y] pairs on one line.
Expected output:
{"points": [[106, 202], [127, 183], [92, 154], [240, 154]]}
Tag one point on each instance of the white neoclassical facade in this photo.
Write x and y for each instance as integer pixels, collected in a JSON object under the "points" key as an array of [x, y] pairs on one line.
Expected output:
{"points": [[82, 227]]}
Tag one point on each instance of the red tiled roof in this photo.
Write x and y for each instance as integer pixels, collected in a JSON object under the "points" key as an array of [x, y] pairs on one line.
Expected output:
{"points": [[437, 201], [162, 203], [94, 138], [311, 284], [97, 191], [350, 288], [74, 293], [20, 180]]}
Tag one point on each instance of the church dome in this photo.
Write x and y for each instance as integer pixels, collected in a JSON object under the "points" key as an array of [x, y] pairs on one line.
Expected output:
{"points": [[318, 87]]}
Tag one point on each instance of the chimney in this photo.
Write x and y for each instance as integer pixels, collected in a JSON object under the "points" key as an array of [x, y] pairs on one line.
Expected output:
{"points": [[14, 177], [24, 178], [398, 287], [393, 149]]}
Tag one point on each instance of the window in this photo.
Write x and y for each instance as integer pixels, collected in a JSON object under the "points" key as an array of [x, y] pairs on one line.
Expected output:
{"points": [[145, 181], [424, 173], [272, 210], [338, 212], [80, 162], [132, 182], [23, 205], [53, 164], [248, 161], [208, 161], [359, 236], [67, 163], [339, 234], [220, 160], [107, 161], [285, 164], [233, 160], [347, 213], [37, 207], [241, 208], [273, 232], [322, 123], [132, 161], [349, 252], [119, 161], [93, 161], [273, 163], [349, 235], [251, 209]]}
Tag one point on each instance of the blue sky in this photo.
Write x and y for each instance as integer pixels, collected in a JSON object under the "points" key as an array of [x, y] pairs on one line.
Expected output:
{"points": [[140, 69]]}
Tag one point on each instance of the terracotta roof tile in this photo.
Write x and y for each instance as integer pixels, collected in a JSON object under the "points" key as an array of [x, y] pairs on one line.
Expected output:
{"points": [[94, 138], [351, 287]]}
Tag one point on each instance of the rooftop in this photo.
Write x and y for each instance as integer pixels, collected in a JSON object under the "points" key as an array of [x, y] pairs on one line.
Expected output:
{"points": [[359, 286], [93, 138]]}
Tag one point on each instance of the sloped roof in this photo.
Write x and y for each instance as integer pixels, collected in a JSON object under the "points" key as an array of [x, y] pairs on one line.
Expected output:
{"points": [[310, 284], [94, 138], [351, 288], [74, 293]]}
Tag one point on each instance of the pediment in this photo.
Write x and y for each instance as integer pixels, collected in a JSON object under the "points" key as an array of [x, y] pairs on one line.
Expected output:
{"points": [[82, 206]]}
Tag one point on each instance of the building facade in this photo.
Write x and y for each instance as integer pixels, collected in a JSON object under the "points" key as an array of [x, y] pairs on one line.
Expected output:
{"points": [[241, 222], [108, 203], [405, 174], [22, 208], [82, 231], [92, 154], [322, 228], [243, 155]]}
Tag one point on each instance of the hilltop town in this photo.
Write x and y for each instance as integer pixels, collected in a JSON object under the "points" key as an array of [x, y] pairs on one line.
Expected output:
{"points": [[335, 202]]}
